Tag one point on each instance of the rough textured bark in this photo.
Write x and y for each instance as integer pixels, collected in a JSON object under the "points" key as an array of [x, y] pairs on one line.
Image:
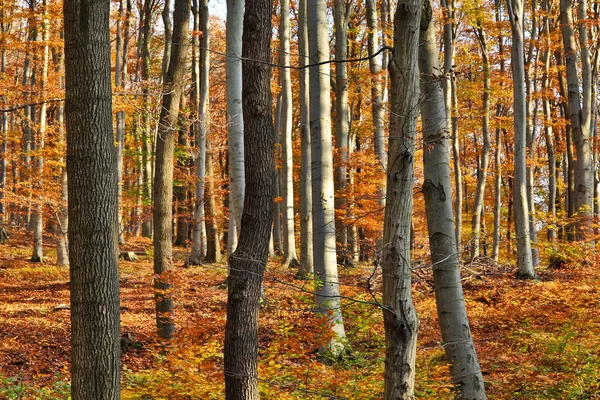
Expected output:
{"points": [[521, 206], [324, 243], [93, 205], [399, 315], [163, 179], [478, 207], [437, 189], [235, 120], [289, 237], [247, 263]]}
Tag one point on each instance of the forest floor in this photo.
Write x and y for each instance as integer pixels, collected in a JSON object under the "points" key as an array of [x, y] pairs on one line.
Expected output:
{"points": [[535, 339]]}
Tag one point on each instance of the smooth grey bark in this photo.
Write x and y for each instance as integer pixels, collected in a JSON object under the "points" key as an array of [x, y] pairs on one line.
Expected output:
{"points": [[306, 267], [202, 85], [342, 128], [37, 211], [450, 104], [376, 89], [580, 111], [93, 203], [290, 257], [546, 30], [146, 131], [277, 238], [168, 30], [235, 120], [482, 174], [120, 116], [399, 315], [173, 84], [247, 263], [437, 190], [324, 241], [62, 214], [521, 206]]}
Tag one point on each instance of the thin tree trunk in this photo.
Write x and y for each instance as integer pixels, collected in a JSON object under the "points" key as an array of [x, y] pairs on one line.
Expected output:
{"points": [[120, 117], [399, 315], [163, 179], [277, 240], [198, 238], [478, 207], [37, 215], [306, 267], [235, 121], [342, 122], [247, 263], [450, 104], [289, 237], [324, 251], [213, 233], [93, 202], [521, 206], [497, 195], [452, 313]]}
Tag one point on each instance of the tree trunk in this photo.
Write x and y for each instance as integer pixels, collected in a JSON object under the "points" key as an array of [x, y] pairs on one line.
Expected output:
{"points": [[342, 121], [163, 179], [247, 263], [521, 206], [93, 203], [306, 267], [452, 313], [235, 121], [213, 233], [580, 113], [324, 251], [37, 215], [198, 238], [399, 315], [289, 237], [120, 117], [478, 207]]}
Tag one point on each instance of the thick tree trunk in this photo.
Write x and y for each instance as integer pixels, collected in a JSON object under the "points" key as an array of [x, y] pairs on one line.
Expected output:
{"points": [[452, 313], [306, 267], [324, 251], [521, 206], [163, 178], [235, 125], [247, 263], [289, 237], [399, 315], [93, 203]]}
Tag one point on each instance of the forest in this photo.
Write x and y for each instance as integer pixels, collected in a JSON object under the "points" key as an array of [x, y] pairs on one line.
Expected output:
{"points": [[299, 199]]}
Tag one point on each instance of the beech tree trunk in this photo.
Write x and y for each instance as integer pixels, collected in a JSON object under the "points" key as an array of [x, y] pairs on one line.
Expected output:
{"points": [[37, 214], [478, 207], [163, 179], [324, 241], [248, 261], [120, 117], [93, 202], [399, 315], [521, 206], [306, 267], [437, 189], [235, 120], [198, 238], [289, 237], [342, 127]]}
